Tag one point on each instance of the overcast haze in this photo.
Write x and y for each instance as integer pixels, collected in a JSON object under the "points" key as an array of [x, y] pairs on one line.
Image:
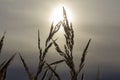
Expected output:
{"points": [[96, 19]]}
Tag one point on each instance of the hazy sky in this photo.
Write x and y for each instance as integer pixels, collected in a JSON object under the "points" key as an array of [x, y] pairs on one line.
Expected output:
{"points": [[96, 19]]}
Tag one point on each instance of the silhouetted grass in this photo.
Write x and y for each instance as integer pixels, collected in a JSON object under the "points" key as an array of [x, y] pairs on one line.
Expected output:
{"points": [[42, 55], [43, 67], [67, 53], [5, 64], [1, 42]]}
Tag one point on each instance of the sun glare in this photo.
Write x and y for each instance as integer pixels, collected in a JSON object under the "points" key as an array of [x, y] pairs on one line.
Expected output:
{"points": [[57, 14]]}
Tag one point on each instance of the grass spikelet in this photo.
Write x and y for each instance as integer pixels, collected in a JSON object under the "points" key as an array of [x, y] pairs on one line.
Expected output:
{"points": [[68, 47], [53, 30], [58, 48]]}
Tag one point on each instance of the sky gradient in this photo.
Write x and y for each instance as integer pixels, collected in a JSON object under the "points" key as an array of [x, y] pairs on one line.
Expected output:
{"points": [[95, 19]]}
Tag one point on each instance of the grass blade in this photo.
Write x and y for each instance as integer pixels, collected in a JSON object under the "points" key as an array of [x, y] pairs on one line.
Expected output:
{"points": [[1, 41], [3, 70], [52, 74], [26, 68], [57, 62], [58, 48], [44, 75], [57, 76], [82, 77], [40, 67], [84, 53], [46, 50], [40, 50], [50, 35], [2, 63]]}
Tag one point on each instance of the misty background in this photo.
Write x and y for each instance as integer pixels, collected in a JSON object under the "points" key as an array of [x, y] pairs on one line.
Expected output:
{"points": [[95, 19]]}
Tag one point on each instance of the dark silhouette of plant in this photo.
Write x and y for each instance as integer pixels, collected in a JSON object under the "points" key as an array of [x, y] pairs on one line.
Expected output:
{"points": [[67, 54], [1, 42], [42, 55], [5, 64]]}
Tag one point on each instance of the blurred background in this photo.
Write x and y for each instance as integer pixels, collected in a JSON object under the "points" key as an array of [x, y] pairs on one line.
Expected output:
{"points": [[95, 19]]}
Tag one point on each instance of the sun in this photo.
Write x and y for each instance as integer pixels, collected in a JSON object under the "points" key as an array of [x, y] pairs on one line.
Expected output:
{"points": [[57, 14]]}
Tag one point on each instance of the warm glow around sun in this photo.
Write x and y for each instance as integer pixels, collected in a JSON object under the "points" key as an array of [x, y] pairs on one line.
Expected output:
{"points": [[57, 14]]}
